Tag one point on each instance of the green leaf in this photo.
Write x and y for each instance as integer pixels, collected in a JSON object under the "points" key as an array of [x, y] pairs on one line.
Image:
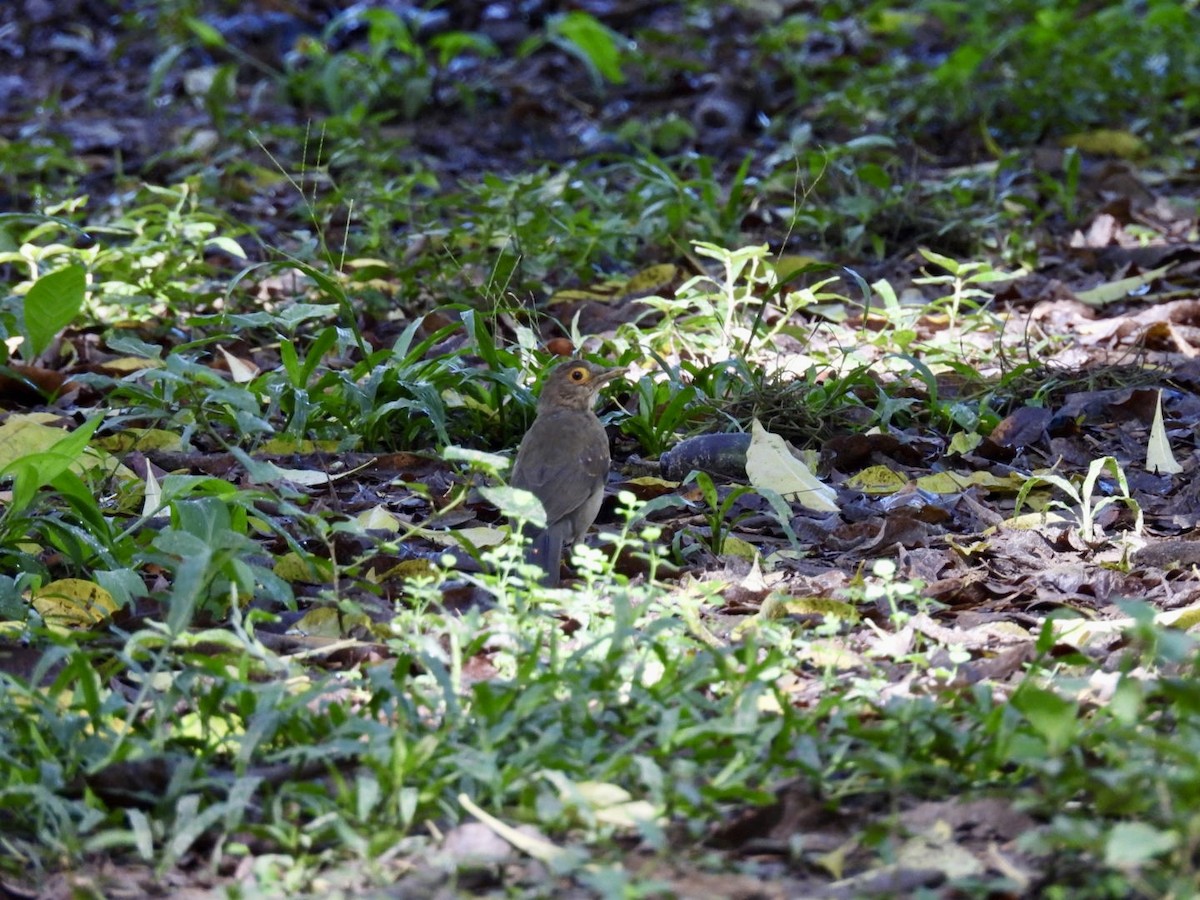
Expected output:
{"points": [[1135, 843], [190, 577], [1053, 717], [949, 264], [206, 518], [53, 301], [323, 344], [492, 462], [291, 363], [515, 503], [1112, 291], [38, 469], [457, 43], [595, 43], [228, 245], [207, 34]]}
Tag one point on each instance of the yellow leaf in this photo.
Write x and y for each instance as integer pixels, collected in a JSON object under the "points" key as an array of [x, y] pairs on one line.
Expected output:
{"points": [[936, 849], [25, 435], [282, 445], [379, 519], [627, 815], [647, 281], [410, 568], [73, 603], [1034, 521], [830, 654], [603, 292], [128, 364], [954, 482], [139, 439], [1107, 142], [652, 481], [964, 442], [834, 862], [877, 480], [365, 262], [735, 546], [651, 280], [602, 793], [769, 464], [329, 622], [823, 606], [292, 567], [1185, 618]]}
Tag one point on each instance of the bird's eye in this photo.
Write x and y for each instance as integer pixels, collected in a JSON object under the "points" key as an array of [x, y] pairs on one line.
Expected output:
{"points": [[579, 375]]}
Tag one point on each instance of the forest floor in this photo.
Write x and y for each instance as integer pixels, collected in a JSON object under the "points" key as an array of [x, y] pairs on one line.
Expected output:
{"points": [[959, 667]]}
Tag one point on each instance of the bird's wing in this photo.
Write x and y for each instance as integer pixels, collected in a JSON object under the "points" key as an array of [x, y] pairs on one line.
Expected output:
{"points": [[569, 461]]}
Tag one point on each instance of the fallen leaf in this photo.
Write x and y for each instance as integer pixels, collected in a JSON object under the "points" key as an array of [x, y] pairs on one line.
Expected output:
{"points": [[240, 370], [73, 603], [1159, 458], [770, 464], [1112, 291]]}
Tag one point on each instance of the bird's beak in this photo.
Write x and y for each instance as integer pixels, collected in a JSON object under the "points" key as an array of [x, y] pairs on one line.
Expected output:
{"points": [[608, 375]]}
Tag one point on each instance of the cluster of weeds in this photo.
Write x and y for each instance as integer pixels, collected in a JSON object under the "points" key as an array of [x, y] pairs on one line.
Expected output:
{"points": [[1024, 70], [638, 721]]}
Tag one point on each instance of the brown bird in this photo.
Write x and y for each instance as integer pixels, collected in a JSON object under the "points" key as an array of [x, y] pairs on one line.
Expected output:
{"points": [[563, 460]]}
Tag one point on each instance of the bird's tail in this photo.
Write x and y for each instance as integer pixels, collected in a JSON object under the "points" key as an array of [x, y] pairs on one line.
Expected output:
{"points": [[545, 551]]}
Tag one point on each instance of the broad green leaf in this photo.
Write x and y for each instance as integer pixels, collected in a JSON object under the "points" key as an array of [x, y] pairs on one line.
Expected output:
{"points": [[964, 442], [190, 577], [1133, 844], [53, 301], [1055, 718]]}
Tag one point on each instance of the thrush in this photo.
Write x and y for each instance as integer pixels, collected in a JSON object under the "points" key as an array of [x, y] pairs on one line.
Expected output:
{"points": [[564, 459]]}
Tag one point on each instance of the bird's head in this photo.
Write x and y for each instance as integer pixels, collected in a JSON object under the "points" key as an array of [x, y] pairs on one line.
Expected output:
{"points": [[574, 384]]}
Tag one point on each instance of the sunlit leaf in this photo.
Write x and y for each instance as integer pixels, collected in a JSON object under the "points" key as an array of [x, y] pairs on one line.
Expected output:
{"points": [[770, 464], [51, 304], [73, 603], [1159, 458]]}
